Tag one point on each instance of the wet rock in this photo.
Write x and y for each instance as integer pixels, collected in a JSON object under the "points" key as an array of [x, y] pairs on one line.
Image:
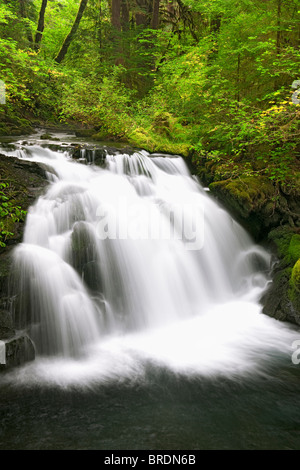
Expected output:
{"points": [[83, 256], [16, 351], [257, 204], [5, 267], [46, 136], [27, 181], [6, 325], [282, 299], [92, 276]]}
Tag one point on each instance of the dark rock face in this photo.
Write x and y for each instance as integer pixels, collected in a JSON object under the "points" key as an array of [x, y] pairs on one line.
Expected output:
{"points": [[5, 266], [83, 256], [282, 299], [257, 204], [16, 351], [6, 325], [90, 154], [28, 180], [276, 301], [14, 125]]}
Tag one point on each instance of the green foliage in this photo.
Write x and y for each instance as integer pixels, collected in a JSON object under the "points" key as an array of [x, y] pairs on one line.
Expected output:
{"points": [[9, 213], [105, 105], [214, 79], [295, 277]]}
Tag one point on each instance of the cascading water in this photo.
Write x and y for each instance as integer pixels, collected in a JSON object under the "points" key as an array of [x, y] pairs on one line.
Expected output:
{"points": [[135, 263]]}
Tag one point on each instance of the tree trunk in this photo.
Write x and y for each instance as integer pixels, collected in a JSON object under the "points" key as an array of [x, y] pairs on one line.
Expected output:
{"points": [[278, 41], [238, 76], [278, 36], [116, 14], [187, 18], [155, 14], [22, 9], [41, 25], [142, 17], [64, 48], [125, 15], [99, 26], [23, 14], [215, 24]]}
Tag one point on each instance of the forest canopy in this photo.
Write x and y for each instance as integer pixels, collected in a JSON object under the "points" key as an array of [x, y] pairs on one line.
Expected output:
{"points": [[217, 79]]}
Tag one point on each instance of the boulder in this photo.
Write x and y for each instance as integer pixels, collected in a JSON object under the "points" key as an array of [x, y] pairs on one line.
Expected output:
{"points": [[6, 325], [282, 299], [16, 351]]}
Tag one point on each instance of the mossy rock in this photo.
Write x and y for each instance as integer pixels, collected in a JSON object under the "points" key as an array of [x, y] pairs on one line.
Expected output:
{"points": [[295, 277], [291, 186], [26, 182], [104, 136], [287, 242], [46, 136], [4, 130], [255, 202], [247, 194], [282, 300], [174, 149], [163, 123], [85, 132], [294, 247], [143, 139], [13, 125], [294, 291]]}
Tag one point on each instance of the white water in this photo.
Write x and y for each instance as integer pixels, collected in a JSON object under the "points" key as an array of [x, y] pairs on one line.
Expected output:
{"points": [[137, 264]]}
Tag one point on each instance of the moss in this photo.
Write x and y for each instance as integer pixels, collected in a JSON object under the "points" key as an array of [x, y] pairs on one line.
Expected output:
{"points": [[283, 301], [291, 185], [102, 136], [294, 247], [141, 138], [245, 195], [295, 277], [14, 125], [176, 149], [294, 289], [4, 130], [281, 237], [85, 132], [287, 243], [153, 143], [163, 124], [46, 136]]}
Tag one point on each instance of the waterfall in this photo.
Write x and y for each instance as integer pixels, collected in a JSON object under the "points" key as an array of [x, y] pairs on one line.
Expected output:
{"points": [[137, 260]]}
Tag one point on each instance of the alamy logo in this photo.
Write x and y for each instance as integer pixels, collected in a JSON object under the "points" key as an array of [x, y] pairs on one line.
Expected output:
{"points": [[296, 354], [2, 92], [141, 222]]}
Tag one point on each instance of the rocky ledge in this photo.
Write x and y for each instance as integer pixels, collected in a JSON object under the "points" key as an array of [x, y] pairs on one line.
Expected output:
{"points": [[271, 214], [27, 181], [16, 351]]}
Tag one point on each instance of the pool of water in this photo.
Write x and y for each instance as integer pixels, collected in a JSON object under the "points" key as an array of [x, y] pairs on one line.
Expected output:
{"points": [[163, 411]]}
